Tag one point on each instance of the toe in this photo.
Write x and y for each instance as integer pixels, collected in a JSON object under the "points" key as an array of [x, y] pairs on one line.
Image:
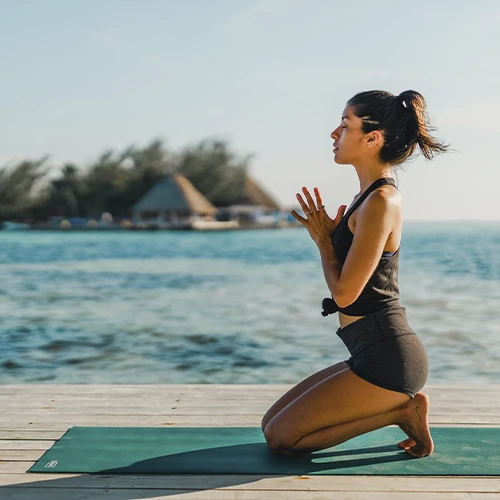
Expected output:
{"points": [[407, 443], [412, 452], [417, 451]]}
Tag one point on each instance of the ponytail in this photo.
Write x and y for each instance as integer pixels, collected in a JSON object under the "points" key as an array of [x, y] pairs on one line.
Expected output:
{"points": [[402, 119]]}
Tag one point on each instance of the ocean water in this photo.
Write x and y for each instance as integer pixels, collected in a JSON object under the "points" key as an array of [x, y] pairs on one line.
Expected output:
{"points": [[229, 307]]}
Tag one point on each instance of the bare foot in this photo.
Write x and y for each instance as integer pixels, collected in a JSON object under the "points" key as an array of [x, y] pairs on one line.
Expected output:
{"points": [[416, 425], [407, 442]]}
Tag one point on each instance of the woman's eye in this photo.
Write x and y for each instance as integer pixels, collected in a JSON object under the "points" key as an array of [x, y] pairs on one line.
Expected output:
{"points": [[343, 127]]}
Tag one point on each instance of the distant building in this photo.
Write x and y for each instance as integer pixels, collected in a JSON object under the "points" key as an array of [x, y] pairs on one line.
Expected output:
{"points": [[256, 195], [254, 205], [173, 200]]}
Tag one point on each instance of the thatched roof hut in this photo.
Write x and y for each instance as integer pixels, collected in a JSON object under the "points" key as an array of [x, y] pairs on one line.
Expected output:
{"points": [[256, 195], [173, 195]]}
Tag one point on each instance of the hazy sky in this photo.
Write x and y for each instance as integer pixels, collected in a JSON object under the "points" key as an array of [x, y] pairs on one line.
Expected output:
{"points": [[272, 77]]}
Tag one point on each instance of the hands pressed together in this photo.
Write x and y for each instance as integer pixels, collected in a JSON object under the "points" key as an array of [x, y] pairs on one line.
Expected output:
{"points": [[317, 221]]}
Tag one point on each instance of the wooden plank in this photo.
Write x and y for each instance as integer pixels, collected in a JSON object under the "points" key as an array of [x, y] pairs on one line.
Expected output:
{"points": [[16, 444], [486, 401], [30, 435], [48, 390], [15, 467], [193, 390], [63, 422], [436, 414], [21, 455], [25, 399], [407, 484], [19, 493], [52, 432], [163, 397], [230, 408]]}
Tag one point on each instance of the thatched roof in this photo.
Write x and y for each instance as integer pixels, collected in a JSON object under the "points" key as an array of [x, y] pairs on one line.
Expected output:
{"points": [[255, 195], [174, 193]]}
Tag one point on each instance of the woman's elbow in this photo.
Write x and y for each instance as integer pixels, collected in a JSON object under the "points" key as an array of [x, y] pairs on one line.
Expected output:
{"points": [[345, 299], [342, 303]]}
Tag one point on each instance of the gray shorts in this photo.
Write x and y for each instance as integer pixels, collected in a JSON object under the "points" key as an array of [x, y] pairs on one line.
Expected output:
{"points": [[385, 351]]}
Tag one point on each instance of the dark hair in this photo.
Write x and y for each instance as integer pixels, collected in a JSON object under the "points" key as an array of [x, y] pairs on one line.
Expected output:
{"points": [[403, 121]]}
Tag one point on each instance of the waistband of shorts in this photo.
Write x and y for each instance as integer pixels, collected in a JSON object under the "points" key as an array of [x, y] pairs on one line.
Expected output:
{"points": [[370, 321]]}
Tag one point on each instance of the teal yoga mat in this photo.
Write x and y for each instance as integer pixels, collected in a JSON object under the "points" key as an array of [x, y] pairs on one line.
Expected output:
{"points": [[242, 450]]}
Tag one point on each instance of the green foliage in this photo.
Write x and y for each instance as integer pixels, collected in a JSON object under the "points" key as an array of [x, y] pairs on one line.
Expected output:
{"points": [[17, 184], [115, 181], [215, 171]]}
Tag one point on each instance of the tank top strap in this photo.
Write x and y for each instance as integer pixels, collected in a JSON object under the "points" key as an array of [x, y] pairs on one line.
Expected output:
{"points": [[379, 182]]}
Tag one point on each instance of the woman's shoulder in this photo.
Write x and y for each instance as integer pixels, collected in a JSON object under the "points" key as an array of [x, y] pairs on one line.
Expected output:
{"points": [[387, 199], [390, 194]]}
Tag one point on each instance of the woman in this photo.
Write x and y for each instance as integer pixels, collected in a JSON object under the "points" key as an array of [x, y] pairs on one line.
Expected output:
{"points": [[380, 383]]}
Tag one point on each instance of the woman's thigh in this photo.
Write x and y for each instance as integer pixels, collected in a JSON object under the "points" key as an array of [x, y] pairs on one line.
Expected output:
{"points": [[300, 388], [340, 398]]}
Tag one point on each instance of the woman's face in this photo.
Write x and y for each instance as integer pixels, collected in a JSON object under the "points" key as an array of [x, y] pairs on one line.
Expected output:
{"points": [[348, 139]]}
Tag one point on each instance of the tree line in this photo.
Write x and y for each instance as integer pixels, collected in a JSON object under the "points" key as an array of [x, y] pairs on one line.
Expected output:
{"points": [[116, 180]]}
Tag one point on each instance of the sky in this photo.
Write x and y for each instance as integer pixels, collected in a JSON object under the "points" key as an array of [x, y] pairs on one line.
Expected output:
{"points": [[271, 77]]}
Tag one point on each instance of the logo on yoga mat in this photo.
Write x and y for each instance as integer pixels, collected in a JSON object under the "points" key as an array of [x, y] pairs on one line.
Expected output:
{"points": [[51, 464]]}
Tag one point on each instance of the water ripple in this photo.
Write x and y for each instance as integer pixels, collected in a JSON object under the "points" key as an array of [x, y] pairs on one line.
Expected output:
{"points": [[229, 307]]}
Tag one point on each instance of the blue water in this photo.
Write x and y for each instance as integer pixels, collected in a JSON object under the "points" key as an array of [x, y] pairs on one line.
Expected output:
{"points": [[229, 307]]}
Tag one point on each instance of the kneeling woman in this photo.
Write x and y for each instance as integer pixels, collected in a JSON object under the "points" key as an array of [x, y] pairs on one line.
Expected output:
{"points": [[380, 383]]}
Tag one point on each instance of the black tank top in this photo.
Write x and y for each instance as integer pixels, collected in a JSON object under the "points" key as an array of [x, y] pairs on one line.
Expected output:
{"points": [[382, 289]]}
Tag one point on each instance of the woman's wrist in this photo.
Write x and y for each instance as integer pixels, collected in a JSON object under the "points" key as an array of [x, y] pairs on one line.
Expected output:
{"points": [[326, 250], [324, 244], [332, 267]]}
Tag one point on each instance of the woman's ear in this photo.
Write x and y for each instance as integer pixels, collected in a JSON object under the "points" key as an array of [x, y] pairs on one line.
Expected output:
{"points": [[375, 138]]}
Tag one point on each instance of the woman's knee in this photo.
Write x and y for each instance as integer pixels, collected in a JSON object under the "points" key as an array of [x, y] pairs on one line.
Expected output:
{"points": [[276, 439], [266, 419], [264, 423]]}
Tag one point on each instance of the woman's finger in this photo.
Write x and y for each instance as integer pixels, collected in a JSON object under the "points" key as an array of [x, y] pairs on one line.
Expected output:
{"points": [[319, 201], [303, 204], [298, 217], [310, 201]]}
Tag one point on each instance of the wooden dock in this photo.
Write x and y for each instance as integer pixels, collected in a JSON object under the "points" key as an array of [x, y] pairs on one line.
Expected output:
{"points": [[33, 417]]}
